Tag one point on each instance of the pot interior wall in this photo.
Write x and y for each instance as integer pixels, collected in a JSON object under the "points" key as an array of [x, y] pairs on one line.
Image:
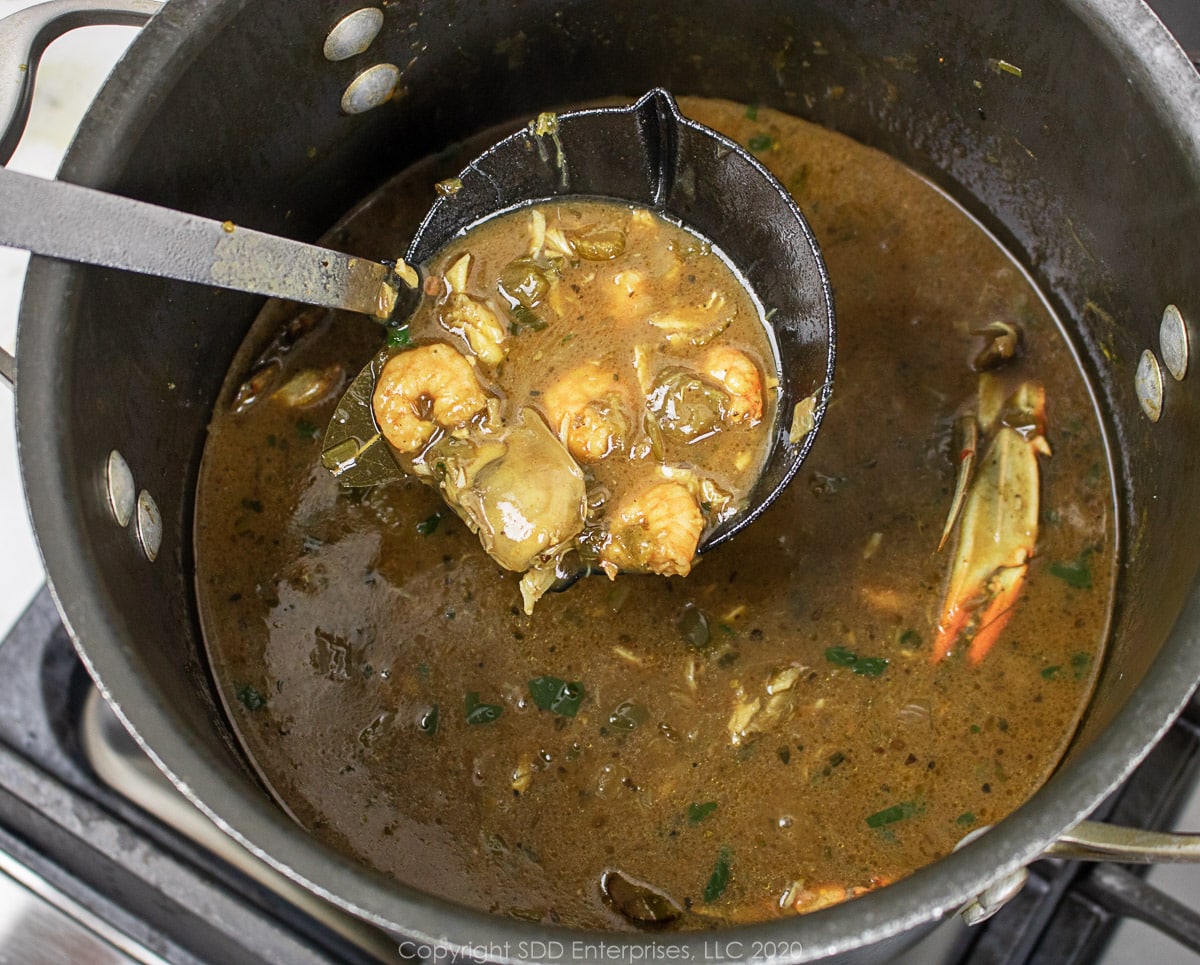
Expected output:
{"points": [[1086, 175]]}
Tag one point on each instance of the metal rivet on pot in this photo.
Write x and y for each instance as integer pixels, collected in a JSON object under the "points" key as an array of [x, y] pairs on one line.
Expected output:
{"points": [[149, 525], [374, 86], [1148, 382], [353, 34], [1173, 342], [118, 480]]}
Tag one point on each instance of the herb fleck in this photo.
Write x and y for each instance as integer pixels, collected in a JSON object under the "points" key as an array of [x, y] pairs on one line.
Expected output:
{"points": [[870, 666], [305, 429], [752, 112], [398, 336], [841, 656], [718, 881], [1049, 673], [429, 524], [698, 812], [863, 666], [250, 697], [1081, 663], [481, 713], [965, 820], [525, 318], [556, 695], [1076, 573], [760, 142], [890, 815]]}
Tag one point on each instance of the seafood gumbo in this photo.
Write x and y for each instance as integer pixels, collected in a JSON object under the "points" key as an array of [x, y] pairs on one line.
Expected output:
{"points": [[583, 378], [897, 653]]}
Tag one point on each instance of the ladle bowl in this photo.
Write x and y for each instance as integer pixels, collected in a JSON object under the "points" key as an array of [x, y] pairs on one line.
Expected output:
{"points": [[652, 155]]}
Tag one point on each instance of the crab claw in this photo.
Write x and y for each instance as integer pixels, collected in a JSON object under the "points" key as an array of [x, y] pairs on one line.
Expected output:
{"points": [[998, 528]]}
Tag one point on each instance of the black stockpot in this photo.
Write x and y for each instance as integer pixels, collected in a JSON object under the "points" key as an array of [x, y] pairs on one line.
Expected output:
{"points": [[1070, 128]]}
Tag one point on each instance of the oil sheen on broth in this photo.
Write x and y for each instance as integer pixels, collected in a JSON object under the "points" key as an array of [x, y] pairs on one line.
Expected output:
{"points": [[773, 732], [582, 377]]}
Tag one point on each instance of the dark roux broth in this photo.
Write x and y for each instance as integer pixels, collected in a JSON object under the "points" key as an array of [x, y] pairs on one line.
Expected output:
{"points": [[770, 731]]}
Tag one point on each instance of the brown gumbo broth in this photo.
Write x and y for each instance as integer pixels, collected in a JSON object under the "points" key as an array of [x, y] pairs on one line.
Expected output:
{"points": [[769, 734]]}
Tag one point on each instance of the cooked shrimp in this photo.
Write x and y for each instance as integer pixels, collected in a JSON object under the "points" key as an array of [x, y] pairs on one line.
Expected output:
{"points": [[422, 389], [587, 409], [656, 532], [740, 377]]}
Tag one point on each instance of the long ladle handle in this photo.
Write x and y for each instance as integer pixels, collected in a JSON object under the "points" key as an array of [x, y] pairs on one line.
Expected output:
{"points": [[63, 220]]}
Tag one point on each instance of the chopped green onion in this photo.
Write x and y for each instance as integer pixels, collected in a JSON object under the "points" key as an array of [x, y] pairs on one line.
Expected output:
{"points": [[841, 656], [556, 695], [870, 666], [890, 815], [481, 713], [718, 881], [863, 666]]}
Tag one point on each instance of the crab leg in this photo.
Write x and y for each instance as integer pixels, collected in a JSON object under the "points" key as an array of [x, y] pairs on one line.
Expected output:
{"points": [[997, 531]]}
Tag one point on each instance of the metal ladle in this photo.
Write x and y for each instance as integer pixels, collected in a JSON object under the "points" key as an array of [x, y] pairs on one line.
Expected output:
{"points": [[648, 154]]}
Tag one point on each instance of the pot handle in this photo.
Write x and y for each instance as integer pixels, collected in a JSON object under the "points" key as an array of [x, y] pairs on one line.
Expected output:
{"points": [[1096, 841], [24, 37], [1092, 841]]}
